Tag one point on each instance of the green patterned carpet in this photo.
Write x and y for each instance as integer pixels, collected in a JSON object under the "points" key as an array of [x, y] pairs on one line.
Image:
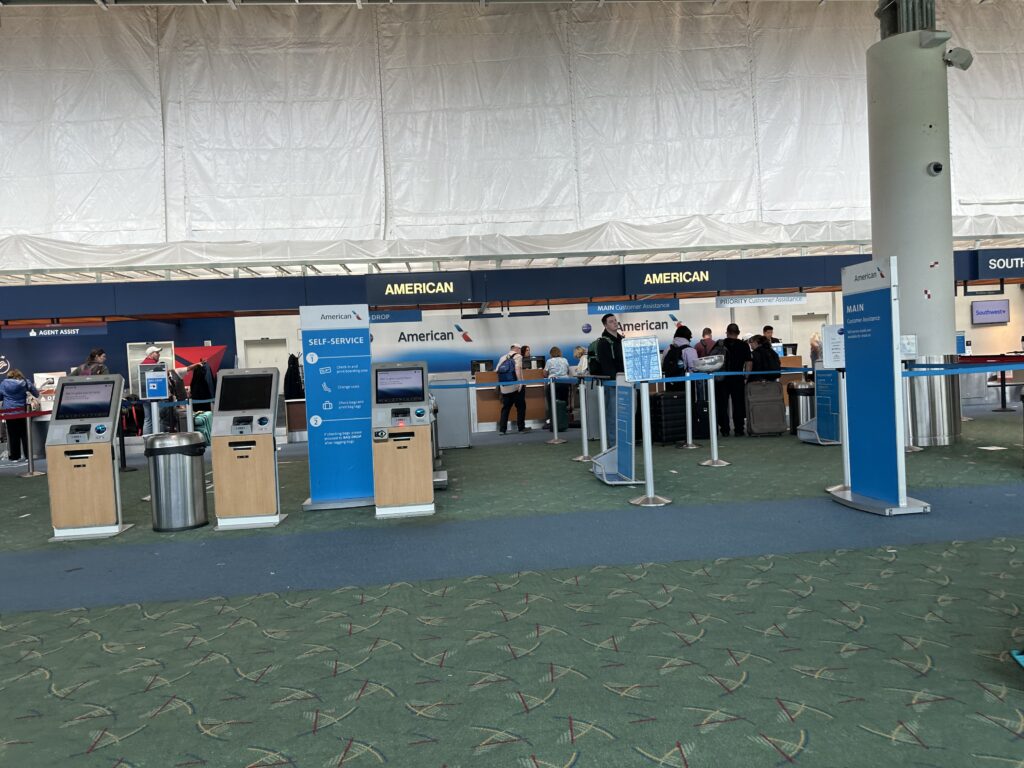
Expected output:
{"points": [[851, 658]]}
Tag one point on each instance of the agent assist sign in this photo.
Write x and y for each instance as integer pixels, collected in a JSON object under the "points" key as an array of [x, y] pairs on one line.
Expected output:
{"points": [[419, 288]]}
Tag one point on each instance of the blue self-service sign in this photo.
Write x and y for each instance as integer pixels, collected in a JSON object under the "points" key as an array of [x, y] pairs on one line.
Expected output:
{"points": [[874, 388], [336, 361]]}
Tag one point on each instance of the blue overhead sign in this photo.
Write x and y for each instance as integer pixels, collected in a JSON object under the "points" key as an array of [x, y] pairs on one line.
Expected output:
{"points": [[1001, 263], [675, 277], [415, 288], [618, 307], [336, 361], [397, 316]]}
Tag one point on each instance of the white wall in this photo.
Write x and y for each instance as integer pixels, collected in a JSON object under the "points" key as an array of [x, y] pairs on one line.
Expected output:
{"points": [[993, 339], [272, 327]]}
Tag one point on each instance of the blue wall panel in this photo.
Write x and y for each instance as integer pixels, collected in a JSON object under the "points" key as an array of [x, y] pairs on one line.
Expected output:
{"points": [[38, 302], [241, 295]]}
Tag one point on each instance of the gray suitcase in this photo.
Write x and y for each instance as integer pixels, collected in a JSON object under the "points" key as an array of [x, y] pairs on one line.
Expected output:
{"points": [[766, 411]]}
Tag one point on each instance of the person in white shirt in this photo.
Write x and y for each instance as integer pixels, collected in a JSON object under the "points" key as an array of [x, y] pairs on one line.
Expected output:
{"points": [[580, 353], [556, 367]]}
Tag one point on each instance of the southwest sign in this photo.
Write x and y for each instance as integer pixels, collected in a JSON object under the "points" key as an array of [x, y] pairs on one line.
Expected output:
{"points": [[1001, 262], [419, 288]]}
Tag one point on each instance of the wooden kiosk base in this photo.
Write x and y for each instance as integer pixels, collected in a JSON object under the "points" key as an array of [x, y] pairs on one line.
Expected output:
{"points": [[85, 496], [245, 489], [403, 472]]}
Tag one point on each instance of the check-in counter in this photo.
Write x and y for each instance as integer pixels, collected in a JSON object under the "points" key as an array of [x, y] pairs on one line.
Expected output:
{"points": [[488, 400], [790, 361]]}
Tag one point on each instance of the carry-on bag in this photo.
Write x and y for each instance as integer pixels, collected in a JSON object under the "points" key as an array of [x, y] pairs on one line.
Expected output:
{"points": [[766, 411]]}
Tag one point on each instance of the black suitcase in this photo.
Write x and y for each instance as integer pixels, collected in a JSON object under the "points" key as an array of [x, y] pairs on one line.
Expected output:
{"points": [[766, 410], [701, 420], [668, 417]]}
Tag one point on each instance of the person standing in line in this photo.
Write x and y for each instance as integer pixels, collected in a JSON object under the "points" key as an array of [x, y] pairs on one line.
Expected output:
{"points": [[731, 389], [556, 367], [581, 369], [608, 347], [679, 359], [512, 392], [765, 363], [15, 390], [706, 343], [96, 365]]}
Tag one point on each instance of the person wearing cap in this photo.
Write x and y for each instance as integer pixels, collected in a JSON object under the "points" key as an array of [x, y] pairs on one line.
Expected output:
{"points": [[153, 358]]}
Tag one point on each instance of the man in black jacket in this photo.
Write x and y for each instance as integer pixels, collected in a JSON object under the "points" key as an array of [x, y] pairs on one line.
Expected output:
{"points": [[731, 389], [609, 356]]}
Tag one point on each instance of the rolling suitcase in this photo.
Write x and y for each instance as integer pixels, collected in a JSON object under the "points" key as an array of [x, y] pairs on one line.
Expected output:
{"points": [[766, 411], [701, 420], [561, 413], [668, 417]]}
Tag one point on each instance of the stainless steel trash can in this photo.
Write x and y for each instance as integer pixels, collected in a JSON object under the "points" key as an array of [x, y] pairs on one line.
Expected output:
{"points": [[177, 480], [801, 404]]}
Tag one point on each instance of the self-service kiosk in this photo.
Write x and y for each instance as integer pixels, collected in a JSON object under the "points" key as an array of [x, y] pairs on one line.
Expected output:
{"points": [[81, 456], [245, 485], [403, 461]]}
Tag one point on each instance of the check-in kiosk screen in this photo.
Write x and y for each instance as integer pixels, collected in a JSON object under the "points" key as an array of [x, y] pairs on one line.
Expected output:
{"points": [[399, 385], [84, 401], [246, 393]]}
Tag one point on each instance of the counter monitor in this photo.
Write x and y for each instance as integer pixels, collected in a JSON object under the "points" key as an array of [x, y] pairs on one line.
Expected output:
{"points": [[246, 393], [399, 385], [481, 365], [87, 400], [990, 312]]}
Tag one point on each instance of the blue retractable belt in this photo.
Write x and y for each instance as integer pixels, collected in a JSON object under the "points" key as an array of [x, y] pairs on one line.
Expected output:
{"points": [[1018, 656]]}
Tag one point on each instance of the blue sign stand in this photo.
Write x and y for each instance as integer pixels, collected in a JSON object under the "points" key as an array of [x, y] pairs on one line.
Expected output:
{"points": [[874, 392], [617, 465], [336, 361], [826, 407]]}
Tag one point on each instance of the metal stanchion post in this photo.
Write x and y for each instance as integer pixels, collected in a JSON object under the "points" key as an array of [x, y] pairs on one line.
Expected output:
{"points": [[585, 456], [649, 499], [908, 421], [844, 431], [601, 416], [190, 417], [155, 416], [555, 439], [714, 461], [689, 418], [31, 471], [123, 458]]}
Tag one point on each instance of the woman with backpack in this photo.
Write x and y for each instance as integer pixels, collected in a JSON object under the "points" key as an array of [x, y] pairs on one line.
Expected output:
{"points": [[15, 390], [510, 373]]}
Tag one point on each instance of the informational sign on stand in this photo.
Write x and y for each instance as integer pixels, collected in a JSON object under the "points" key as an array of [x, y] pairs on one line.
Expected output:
{"points": [[827, 405], [641, 358], [617, 465], [336, 361], [874, 391], [833, 350]]}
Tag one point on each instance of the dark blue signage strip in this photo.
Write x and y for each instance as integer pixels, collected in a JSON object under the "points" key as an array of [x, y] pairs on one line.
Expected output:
{"points": [[624, 431], [1001, 263], [681, 277], [419, 288], [54, 332], [826, 398], [397, 316]]}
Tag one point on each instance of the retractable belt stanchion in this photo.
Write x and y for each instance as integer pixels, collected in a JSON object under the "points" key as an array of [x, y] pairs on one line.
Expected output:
{"points": [[714, 461], [689, 418], [123, 458], [555, 439], [908, 418], [844, 428], [649, 499], [600, 418], [31, 470], [585, 456], [190, 417]]}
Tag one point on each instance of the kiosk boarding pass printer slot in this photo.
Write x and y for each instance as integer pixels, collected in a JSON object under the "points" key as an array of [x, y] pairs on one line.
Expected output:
{"points": [[81, 456], [245, 483], [403, 462]]}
